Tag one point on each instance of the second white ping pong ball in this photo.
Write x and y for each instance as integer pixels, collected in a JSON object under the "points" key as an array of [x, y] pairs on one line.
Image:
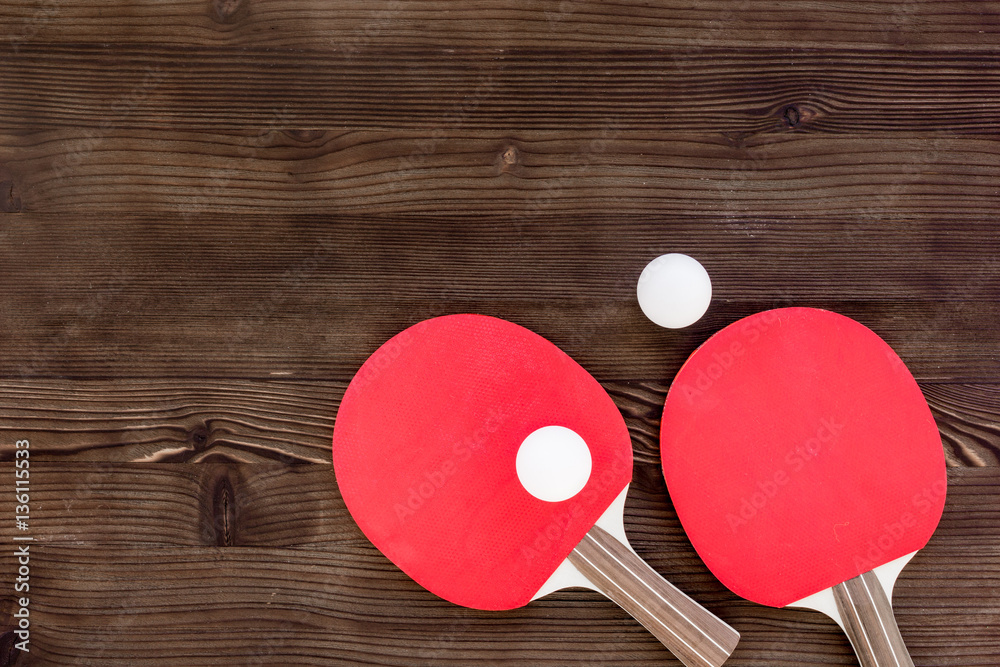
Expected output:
{"points": [[674, 290], [553, 463]]}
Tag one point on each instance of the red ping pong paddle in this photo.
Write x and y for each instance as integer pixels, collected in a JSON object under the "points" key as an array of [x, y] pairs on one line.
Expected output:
{"points": [[428, 445], [806, 468]]}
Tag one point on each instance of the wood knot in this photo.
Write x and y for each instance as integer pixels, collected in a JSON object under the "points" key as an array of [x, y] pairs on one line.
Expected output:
{"points": [[227, 11], [10, 201], [791, 116], [199, 437], [797, 116], [305, 136], [508, 158], [223, 508]]}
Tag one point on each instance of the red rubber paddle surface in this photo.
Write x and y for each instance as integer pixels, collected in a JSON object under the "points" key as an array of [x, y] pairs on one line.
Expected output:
{"points": [[424, 450], [799, 452]]}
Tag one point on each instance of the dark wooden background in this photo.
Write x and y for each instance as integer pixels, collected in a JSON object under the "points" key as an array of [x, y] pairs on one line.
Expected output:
{"points": [[211, 212]]}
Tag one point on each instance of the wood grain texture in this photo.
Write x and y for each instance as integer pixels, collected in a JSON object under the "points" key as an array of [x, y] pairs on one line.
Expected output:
{"points": [[497, 24], [971, 437], [278, 171], [287, 421], [312, 297], [735, 90], [314, 591]]}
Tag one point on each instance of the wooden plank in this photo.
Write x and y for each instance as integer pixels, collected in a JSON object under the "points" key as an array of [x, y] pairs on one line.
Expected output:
{"points": [[342, 602], [206, 420], [735, 90], [504, 25], [311, 297], [175, 338], [281, 260], [273, 505], [277, 171]]}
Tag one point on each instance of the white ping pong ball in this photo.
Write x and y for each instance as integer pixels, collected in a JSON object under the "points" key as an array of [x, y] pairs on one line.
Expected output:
{"points": [[553, 463], [674, 290]]}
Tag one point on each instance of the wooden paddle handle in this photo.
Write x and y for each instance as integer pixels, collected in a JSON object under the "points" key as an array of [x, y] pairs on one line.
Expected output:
{"points": [[869, 623], [692, 633]]}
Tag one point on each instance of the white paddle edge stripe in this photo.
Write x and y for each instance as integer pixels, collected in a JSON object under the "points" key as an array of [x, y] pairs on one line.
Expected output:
{"points": [[566, 575], [825, 603]]}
